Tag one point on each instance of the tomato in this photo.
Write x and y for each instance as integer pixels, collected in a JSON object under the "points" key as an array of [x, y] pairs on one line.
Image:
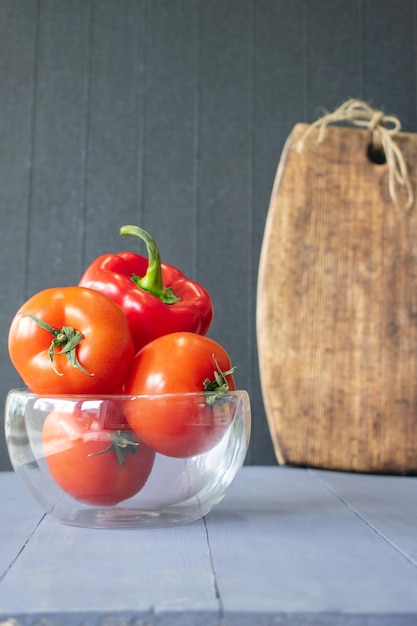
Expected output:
{"points": [[92, 453], [180, 363], [71, 340]]}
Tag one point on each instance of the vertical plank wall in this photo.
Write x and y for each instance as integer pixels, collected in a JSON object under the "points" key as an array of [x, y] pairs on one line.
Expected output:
{"points": [[172, 114]]}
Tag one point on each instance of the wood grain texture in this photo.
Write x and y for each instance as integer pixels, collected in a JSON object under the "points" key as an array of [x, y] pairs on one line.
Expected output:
{"points": [[337, 323]]}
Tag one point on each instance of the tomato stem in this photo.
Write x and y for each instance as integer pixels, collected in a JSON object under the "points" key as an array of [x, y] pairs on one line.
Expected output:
{"points": [[152, 282], [219, 385], [122, 443], [65, 338]]}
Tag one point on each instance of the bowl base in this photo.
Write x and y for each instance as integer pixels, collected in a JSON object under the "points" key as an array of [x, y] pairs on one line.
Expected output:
{"points": [[125, 518]]}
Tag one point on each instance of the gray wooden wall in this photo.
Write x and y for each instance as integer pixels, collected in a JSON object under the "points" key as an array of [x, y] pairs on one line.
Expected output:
{"points": [[172, 114]]}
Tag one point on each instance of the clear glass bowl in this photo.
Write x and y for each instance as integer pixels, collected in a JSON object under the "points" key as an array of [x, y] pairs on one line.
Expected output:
{"points": [[83, 463]]}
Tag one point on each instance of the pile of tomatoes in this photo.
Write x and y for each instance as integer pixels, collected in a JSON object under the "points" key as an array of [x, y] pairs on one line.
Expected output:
{"points": [[78, 341]]}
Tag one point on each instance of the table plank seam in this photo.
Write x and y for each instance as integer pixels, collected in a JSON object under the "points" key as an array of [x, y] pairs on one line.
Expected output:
{"points": [[20, 551], [369, 524], [219, 600]]}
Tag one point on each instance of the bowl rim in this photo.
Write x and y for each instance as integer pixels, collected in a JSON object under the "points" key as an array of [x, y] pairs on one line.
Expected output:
{"points": [[26, 392]]}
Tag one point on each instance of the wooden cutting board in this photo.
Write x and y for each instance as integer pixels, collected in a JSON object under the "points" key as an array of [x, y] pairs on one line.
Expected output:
{"points": [[337, 309]]}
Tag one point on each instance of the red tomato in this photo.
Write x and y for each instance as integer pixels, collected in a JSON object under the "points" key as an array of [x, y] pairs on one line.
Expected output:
{"points": [[180, 425], [52, 322], [92, 453]]}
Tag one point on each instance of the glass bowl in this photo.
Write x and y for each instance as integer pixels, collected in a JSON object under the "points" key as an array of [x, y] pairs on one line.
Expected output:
{"points": [[86, 466]]}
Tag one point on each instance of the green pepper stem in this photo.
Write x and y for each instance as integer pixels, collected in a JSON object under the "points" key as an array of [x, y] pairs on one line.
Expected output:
{"points": [[152, 282]]}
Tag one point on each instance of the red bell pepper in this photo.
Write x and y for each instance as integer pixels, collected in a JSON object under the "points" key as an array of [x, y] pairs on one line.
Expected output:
{"points": [[156, 298]]}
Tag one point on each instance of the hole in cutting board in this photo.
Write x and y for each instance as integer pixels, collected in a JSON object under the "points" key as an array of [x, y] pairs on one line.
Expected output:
{"points": [[376, 155]]}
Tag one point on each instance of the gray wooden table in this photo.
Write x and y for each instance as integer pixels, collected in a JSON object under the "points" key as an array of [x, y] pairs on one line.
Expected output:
{"points": [[285, 546]]}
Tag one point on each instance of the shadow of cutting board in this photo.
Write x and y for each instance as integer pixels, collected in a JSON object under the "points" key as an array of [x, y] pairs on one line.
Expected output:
{"points": [[337, 309]]}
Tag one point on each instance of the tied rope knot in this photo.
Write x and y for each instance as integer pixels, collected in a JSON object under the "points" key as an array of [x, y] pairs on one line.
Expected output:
{"points": [[376, 120], [383, 128]]}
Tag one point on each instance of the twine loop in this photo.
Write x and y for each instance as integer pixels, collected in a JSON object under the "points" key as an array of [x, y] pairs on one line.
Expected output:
{"points": [[383, 127]]}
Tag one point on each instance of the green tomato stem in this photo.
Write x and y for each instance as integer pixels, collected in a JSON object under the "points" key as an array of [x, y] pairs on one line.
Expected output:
{"points": [[122, 443], [66, 338], [219, 385]]}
